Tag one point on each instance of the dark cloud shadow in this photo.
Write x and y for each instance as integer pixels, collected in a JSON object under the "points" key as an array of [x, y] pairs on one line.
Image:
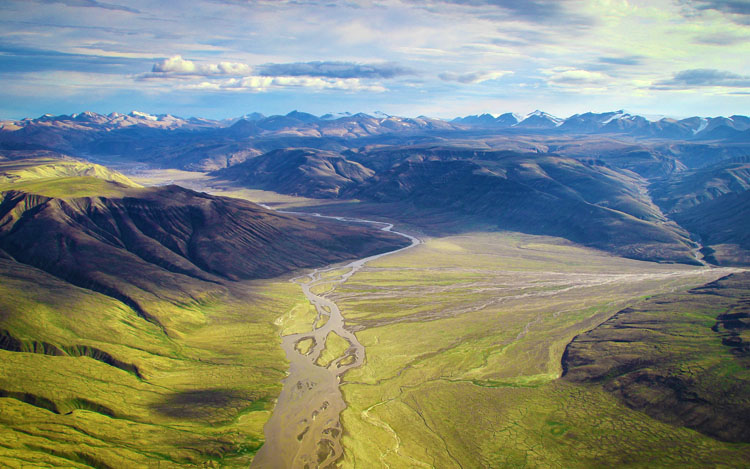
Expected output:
{"points": [[200, 403]]}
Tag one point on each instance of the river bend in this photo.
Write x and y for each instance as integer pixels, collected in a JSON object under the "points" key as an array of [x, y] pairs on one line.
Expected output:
{"points": [[304, 430]]}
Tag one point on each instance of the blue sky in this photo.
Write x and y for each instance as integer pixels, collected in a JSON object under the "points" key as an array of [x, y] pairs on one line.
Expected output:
{"points": [[442, 58]]}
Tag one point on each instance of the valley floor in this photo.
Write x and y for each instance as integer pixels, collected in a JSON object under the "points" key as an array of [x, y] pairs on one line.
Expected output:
{"points": [[463, 338]]}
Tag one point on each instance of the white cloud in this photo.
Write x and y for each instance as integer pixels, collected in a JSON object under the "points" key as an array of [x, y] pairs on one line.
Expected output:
{"points": [[575, 77], [176, 65]]}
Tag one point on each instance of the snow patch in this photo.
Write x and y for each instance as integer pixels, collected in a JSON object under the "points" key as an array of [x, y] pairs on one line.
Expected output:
{"points": [[702, 126]]}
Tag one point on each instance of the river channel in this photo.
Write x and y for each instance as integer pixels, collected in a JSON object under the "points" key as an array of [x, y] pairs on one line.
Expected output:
{"points": [[304, 430]]}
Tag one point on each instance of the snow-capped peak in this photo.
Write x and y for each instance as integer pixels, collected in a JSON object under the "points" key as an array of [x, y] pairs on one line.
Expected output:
{"points": [[335, 115], [545, 115], [542, 115]]}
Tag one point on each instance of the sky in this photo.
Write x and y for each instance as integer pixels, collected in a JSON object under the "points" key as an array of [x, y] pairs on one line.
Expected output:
{"points": [[441, 58]]}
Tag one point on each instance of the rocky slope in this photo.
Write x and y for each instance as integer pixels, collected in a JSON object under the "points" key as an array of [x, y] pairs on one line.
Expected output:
{"points": [[681, 358]]}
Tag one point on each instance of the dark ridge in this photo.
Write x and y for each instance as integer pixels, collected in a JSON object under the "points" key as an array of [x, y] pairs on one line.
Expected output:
{"points": [[102, 356], [31, 399], [731, 325], [12, 344], [80, 403], [11, 146], [76, 456], [130, 239]]}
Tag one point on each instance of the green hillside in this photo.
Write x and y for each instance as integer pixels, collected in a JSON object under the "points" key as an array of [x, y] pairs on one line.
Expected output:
{"points": [[134, 329]]}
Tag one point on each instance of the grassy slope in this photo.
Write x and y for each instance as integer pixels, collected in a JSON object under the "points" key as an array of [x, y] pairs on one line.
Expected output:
{"points": [[48, 175], [85, 380], [202, 397], [469, 377]]}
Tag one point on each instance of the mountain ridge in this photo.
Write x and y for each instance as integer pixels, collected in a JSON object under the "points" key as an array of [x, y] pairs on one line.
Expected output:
{"points": [[606, 122]]}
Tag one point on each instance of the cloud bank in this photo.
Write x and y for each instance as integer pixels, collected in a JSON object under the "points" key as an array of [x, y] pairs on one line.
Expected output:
{"points": [[704, 77], [434, 57]]}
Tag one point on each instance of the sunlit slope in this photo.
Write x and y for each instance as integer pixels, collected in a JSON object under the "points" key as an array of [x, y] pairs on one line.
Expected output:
{"points": [[85, 381], [464, 338], [131, 331], [41, 172]]}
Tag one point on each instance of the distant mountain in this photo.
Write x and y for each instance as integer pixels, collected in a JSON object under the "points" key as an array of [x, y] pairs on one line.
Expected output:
{"points": [[303, 117], [334, 116], [590, 122], [306, 172], [340, 124], [204, 144], [483, 119], [617, 122], [488, 120], [507, 120], [532, 193], [723, 225], [378, 157]]}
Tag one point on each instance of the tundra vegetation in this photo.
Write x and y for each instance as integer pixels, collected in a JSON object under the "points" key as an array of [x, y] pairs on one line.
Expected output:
{"points": [[133, 334], [465, 337]]}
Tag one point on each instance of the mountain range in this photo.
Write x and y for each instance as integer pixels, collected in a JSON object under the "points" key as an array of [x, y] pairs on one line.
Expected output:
{"points": [[614, 181], [360, 124]]}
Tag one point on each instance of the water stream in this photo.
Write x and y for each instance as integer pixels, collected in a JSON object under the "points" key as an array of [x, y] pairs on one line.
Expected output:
{"points": [[304, 430]]}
